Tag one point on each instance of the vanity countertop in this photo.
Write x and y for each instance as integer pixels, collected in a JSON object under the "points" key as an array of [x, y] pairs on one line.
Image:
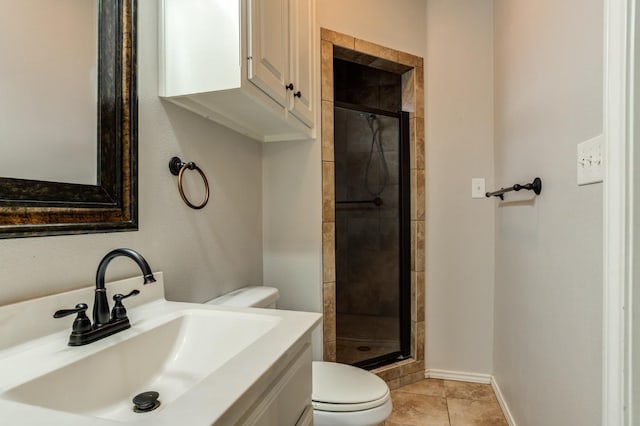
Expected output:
{"points": [[265, 342]]}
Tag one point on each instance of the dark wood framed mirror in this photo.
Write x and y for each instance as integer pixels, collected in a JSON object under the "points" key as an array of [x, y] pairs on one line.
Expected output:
{"points": [[30, 207]]}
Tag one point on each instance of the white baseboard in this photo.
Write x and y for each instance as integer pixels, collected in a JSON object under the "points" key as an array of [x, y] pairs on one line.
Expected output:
{"points": [[502, 402], [458, 376], [474, 378]]}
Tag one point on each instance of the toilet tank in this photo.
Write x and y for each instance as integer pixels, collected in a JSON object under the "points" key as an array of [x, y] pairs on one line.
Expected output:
{"points": [[249, 297]]}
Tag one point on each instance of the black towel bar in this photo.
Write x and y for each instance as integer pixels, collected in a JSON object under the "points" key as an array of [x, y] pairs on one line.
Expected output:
{"points": [[377, 201], [535, 186]]}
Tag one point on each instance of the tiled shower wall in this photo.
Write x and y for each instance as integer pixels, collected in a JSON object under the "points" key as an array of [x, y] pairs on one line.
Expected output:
{"points": [[367, 235], [367, 86], [411, 69]]}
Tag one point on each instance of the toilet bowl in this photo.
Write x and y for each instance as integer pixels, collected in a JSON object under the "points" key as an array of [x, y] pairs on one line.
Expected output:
{"points": [[348, 396], [342, 395]]}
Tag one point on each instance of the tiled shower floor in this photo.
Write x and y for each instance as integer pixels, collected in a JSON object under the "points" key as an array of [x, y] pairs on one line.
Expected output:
{"points": [[379, 335], [433, 402]]}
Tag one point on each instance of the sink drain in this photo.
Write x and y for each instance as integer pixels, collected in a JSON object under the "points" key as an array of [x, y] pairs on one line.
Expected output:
{"points": [[145, 402]]}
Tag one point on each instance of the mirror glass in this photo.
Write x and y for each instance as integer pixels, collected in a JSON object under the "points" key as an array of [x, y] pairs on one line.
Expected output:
{"points": [[68, 117], [48, 107]]}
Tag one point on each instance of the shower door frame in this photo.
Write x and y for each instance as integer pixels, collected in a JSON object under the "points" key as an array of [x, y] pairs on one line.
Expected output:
{"points": [[411, 68], [404, 219]]}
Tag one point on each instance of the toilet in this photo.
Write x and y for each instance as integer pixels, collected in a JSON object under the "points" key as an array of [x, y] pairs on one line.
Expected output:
{"points": [[342, 395]]}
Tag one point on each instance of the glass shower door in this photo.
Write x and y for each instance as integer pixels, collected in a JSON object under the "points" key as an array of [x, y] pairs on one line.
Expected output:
{"points": [[372, 270]]}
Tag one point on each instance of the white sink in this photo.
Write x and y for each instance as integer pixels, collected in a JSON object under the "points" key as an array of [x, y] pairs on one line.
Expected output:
{"points": [[169, 358], [208, 363]]}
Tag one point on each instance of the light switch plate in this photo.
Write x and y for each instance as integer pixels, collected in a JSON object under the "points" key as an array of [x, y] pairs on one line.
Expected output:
{"points": [[590, 161], [477, 188]]}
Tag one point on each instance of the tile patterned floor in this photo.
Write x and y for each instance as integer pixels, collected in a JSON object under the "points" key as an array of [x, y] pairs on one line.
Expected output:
{"points": [[433, 402]]}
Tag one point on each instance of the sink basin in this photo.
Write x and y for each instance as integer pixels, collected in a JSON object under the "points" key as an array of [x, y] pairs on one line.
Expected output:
{"points": [[209, 364], [168, 358]]}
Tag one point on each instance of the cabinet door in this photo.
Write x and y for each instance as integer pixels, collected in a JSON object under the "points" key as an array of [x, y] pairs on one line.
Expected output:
{"points": [[301, 50], [268, 48], [288, 398]]}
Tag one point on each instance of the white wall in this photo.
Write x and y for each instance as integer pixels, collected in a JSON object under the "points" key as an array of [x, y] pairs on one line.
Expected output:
{"points": [[396, 24], [203, 253], [292, 220], [460, 230], [548, 303]]}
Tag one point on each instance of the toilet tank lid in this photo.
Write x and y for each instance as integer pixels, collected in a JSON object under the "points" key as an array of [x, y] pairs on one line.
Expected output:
{"points": [[252, 296]]}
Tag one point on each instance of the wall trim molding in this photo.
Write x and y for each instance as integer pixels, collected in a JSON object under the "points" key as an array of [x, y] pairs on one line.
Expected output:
{"points": [[618, 103], [503, 402], [486, 379], [458, 376]]}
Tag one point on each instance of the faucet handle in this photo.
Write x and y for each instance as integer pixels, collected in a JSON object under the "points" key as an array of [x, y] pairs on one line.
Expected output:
{"points": [[118, 297], [119, 311], [81, 324]]}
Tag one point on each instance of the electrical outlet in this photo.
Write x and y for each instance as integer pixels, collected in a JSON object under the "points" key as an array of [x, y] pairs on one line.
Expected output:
{"points": [[477, 188], [590, 161]]}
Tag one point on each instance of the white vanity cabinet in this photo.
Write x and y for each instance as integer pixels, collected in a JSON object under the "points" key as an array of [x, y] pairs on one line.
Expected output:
{"points": [[245, 64], [281, 397], [212, 365], [287, 399]]}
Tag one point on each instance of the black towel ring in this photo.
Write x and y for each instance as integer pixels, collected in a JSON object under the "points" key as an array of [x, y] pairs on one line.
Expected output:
{"points": [[177, 168]]}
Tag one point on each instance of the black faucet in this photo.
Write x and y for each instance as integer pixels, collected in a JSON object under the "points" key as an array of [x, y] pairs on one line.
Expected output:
{"points": [[101, 304], [104, 323]]}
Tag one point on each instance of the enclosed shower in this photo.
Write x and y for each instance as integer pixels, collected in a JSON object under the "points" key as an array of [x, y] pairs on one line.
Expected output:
{"points": [[371, 137]]}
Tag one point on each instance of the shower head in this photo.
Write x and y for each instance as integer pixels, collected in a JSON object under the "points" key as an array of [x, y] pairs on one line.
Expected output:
{"points": [[371, 118]]}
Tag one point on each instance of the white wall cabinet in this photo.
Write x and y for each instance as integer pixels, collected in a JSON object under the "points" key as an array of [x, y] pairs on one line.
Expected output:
{"points": [[246, 64], [301, 71], [267, 50]]}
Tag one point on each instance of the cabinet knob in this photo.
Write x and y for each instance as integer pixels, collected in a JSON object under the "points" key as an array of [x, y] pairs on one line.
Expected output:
{"points": [[289, 86], [297, 94]]}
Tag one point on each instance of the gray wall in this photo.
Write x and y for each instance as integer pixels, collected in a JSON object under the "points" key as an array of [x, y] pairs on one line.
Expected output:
{"points": [[548, 291], [203, 253], [460, 230]]}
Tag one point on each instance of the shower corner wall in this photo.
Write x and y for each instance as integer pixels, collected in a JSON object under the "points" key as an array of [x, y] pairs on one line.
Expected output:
{"points": [[411, 67]]}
